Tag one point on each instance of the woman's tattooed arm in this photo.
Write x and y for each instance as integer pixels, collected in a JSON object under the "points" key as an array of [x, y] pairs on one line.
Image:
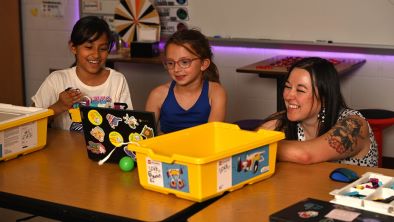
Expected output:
{"points": [[344, 135]]}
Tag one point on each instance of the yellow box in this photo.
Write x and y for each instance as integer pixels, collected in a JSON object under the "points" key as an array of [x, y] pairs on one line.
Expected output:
{"points": [[22, 130], [205, 161]]}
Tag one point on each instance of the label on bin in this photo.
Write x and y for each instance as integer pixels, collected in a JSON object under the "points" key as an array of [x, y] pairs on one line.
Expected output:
{"points": [[246, 165], [18, 139], [224, 174], [172, 176]]}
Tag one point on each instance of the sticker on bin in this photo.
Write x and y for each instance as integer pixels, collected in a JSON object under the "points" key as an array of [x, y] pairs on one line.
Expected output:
{"points": [[172, 176], [202, 162], [22, 130], [372, 192], [18, 139], [247, 165]]}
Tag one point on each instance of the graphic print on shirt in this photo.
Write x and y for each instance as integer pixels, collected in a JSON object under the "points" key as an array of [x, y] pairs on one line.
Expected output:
{"points": [[94, 101]]}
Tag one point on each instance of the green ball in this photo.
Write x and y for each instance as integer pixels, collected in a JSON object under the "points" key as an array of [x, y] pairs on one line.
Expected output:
{"points": [[126, 163]]}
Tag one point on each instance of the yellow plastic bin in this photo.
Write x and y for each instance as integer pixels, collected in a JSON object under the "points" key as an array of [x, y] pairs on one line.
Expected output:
{"points": [[205, 161], [22, 130]]}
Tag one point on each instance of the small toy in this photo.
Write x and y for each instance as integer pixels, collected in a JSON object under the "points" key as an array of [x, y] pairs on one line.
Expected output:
{"points": [[126, 164], [354, 194], [375, 183], [344, 175]]}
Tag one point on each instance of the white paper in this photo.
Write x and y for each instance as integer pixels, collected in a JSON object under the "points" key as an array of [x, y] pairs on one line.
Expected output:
{"points": [[224, 174], [343, 215], [154, 172], [147, 34]]}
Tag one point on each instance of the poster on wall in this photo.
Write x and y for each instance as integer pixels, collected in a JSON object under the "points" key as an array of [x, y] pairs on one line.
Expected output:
{"points": [[49, 8], [90, 6], [174, 15], [104, 9]]}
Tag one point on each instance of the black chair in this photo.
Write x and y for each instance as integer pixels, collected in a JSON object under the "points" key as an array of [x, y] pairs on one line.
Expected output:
{"points": [[249, 124]]}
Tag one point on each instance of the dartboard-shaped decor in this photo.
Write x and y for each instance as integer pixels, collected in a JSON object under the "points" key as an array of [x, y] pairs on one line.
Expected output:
{"points": [[133, 16]]}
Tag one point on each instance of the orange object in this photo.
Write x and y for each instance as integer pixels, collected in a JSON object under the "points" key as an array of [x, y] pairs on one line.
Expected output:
{"points": [[379, 119]]}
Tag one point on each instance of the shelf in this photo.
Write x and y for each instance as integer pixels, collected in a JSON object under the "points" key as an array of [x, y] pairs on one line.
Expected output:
{"points": [[125, 57], [277, 66], [304, 45]]}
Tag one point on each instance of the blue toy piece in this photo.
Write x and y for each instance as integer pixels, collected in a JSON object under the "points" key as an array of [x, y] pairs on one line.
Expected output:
{"points": [[343, 175]]}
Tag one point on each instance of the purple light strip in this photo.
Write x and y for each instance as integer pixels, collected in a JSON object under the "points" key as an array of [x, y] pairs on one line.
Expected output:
{"points": [[76, 12], [302, 53], [271, 52], [256, 51]]}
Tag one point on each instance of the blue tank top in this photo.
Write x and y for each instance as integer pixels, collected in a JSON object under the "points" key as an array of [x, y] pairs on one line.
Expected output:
{"points": [[173, 117]]}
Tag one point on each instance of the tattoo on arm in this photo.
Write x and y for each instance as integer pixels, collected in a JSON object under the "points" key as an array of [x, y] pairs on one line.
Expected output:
{"points": [[343, 137]]}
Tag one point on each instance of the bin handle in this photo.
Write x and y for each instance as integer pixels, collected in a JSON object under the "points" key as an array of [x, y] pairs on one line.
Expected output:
{"points": [[152, 154], [165, 159]]}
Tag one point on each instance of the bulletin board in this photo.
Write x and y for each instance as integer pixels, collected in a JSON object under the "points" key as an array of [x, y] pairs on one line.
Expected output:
{"points": [[338, 21]]}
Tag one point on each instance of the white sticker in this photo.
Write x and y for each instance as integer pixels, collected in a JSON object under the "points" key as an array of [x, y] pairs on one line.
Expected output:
{"points": [[155, 172], [29, 135], [19, 138], [224, 174], [343, 215], [90, 6]]}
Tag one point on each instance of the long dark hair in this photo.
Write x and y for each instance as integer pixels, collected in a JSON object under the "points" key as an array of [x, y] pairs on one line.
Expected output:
{"points": [[199, 46], [325, 78]]}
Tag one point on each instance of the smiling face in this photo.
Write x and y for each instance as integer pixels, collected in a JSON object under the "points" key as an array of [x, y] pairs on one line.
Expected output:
{"points": [[301, 104], [180, 55], [91, 56]]}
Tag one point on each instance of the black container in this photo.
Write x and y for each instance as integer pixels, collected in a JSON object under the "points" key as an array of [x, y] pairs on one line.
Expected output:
{"points": [[144, 49]]}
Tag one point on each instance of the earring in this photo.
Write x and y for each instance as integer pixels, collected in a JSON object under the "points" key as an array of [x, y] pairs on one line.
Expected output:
{"points": [[322, 115]]}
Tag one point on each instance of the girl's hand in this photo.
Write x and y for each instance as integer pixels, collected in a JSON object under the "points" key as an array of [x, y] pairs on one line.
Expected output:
{"points": [[66, 100], [70, 96]]}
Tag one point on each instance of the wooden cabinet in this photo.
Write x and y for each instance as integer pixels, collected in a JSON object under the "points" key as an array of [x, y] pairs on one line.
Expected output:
{"points": [[11, 75]]}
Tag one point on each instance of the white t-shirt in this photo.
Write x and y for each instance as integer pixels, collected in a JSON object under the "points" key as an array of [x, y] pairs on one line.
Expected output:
{"points": [[114, 89]]}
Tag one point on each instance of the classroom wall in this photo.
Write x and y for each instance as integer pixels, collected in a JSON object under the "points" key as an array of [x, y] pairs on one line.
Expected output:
{"points": [[252, 97], [11, 65], [350, 21], [45, 41], [45, 47]]}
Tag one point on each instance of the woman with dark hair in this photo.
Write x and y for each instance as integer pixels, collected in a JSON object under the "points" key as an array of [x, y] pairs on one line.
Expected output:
{"points": [[317, 122]]}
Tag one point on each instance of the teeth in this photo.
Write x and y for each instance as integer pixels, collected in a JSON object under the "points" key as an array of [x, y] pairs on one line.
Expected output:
{"points": [[293, 106], [93, 61]]}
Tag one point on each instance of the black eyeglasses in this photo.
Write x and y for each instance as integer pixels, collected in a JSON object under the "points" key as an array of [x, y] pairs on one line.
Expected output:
{"points": [[183, 63]]}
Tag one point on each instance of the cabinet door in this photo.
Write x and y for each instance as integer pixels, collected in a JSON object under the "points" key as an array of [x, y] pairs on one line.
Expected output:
{"points": [[11, 76]]}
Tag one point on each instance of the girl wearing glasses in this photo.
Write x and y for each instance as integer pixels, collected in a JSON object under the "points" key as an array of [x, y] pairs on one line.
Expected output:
{"points": [[194, 96]]}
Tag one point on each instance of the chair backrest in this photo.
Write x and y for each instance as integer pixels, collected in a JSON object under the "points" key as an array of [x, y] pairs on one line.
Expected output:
{"points": [[249, 124], [378, 119]]}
